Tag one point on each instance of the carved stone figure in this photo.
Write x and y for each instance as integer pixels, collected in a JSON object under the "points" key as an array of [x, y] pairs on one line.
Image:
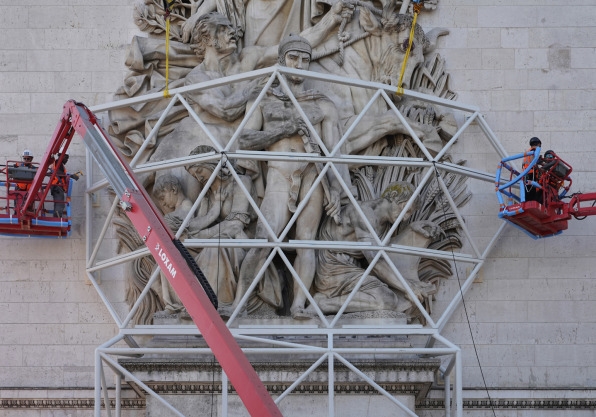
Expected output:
{"points": [[374, 51], [338, 271], [259, 22], [223, 213], [171, 200], [276, 126], [214, 40]]}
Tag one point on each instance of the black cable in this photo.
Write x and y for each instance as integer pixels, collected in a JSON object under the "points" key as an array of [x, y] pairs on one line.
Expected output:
{"points": [[490, 401]]}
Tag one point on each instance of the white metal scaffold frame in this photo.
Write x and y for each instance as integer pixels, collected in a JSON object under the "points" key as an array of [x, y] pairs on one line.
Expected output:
{"points": [[328, 328]]}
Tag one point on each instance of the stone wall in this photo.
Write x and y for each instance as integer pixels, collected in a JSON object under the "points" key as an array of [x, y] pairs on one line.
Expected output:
{"points": [[52, 319], [529, 66]]}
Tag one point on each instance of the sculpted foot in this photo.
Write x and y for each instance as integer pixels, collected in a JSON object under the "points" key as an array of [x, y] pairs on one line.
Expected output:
{"points": [[300, 313], [225, 311]]}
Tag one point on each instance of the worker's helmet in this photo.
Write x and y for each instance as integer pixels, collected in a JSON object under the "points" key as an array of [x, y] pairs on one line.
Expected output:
{"points": [[27, 155], [549, 154], [65, 156], [535, 141]]}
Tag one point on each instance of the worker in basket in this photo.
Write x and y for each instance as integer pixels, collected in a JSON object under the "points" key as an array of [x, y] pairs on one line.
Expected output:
{"points": [[60, 184], [20, 187], [27, 162], [533, 193]]}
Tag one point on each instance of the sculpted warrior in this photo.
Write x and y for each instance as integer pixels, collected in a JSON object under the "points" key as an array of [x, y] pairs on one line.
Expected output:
{"points": [[215, 42], [276, 126], [261, 22]]}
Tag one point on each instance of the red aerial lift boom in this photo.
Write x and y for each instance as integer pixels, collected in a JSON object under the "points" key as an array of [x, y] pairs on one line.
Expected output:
{"points": [[175, 262]]}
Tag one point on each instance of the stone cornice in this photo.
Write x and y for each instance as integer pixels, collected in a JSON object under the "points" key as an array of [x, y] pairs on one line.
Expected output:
{"points": [[426, 404], [514, 404], [66, 403], [186, 376], [165, 365]]}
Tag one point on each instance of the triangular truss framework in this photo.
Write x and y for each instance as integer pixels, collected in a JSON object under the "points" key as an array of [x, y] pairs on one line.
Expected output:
{"points": [[433, 168]]}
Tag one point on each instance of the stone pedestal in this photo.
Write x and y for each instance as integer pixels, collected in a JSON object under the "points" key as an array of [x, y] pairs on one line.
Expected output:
{"points": [[193, 385]]}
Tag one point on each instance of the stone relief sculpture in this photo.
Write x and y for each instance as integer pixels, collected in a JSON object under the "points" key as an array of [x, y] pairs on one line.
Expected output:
{"points": [[363, 40], [221, 108], [260, 22], [377, 46], [276, 126], [338, 272], [224, 213]]}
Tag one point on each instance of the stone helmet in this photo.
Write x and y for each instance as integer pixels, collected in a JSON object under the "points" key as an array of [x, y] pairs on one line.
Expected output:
{"points": [[293, 42]]}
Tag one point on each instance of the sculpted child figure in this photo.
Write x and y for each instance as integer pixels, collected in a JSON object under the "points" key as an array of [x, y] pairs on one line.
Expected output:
{"points": [[169, 197]]}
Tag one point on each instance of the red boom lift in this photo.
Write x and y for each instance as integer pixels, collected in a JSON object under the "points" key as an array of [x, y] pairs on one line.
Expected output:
{"points": [[548, 214], [26, 217]]}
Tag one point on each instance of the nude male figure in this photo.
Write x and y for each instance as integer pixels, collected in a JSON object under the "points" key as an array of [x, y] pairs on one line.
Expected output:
{"points": [[276, 126]]}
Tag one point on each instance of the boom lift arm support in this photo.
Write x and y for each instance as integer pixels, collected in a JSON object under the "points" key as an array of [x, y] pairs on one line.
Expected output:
{"points": [[61, 139], [167, 251]]}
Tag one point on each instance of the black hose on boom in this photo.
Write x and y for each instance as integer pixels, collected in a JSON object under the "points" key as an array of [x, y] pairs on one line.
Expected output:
{"points": [[190, 261]]}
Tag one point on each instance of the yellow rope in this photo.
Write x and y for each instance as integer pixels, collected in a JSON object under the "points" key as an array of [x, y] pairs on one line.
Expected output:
{"points": [[166, 92], [400, 89]]}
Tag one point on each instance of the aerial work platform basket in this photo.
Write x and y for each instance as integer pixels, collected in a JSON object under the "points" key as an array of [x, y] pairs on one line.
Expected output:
{"points": [[37, 220], [533, 198]]}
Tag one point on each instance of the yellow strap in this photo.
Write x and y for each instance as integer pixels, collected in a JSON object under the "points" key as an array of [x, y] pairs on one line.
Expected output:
{"points": [[166, 92], [400, 89]]}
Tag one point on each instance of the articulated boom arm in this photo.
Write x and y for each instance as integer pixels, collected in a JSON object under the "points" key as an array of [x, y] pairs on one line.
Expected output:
{"points": [[167, 252], [60, 143], [575, 208]]}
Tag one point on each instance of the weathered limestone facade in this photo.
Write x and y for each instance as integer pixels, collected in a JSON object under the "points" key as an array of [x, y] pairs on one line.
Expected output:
{"points": [[530, 67]]}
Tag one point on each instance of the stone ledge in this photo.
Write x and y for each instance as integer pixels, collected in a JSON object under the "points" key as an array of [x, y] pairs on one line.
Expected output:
{"points": [[425, 404], [185, 376], [67, 403], [513, 404]]}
